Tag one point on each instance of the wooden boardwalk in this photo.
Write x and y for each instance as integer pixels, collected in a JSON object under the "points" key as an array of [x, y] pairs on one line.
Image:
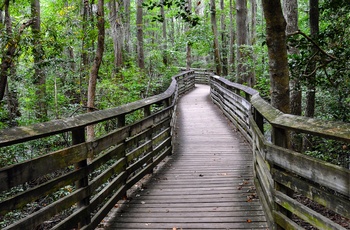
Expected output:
{"points": [[206, 184]]}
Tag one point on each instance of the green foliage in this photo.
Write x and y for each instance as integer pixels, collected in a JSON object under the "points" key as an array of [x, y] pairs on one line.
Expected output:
{"points": [[182, 10]]}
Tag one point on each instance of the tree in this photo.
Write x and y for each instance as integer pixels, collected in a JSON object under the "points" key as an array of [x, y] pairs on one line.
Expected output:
{"points": [[214, 28], [116, 33], [231, 61], [188, 44], [96, 65], [278, 62], [291, 15], [242, 39], [223, 39], [39, 77], [139, 25], [164, 33]]}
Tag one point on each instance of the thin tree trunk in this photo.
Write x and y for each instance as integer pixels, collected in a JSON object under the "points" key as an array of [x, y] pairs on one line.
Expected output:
{"points": [[116, 33], [127, 37], [84, 64], [39, 77], [188, 45], [231, 61], [252, 41], [139, 25], [96, 65], [291, 15], [165, 41], [242, 40], [215, 33], [223, 39], [311, 79]]}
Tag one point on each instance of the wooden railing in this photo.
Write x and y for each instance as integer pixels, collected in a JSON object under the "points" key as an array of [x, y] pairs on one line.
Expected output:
{"points": [[282, 175], [117, 161]]}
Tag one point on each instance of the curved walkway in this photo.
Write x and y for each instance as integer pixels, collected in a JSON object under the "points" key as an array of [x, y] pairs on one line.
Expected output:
{"points": [[206, 184]]}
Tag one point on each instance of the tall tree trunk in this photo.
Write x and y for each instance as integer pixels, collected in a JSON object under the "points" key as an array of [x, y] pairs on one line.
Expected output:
{"points": [[252, 40], [311, 79], [8, 55], [188, 45], [127, 37], [231, 61], [116, 33], [165, 41], [215, 33], [96, 65], [291, 15], [242, 40], [223, 39], [278, 63], [39, 77], [139, 25], [84, 64]]}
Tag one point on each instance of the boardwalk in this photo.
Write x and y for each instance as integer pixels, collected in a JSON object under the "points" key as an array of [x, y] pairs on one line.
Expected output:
{"points": [[206, 184]]}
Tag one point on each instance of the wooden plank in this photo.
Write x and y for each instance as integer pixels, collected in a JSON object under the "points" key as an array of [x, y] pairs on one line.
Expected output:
{"points": [[285, 222], [306, 213], [318, 127], [329, 200], [323, 173]]}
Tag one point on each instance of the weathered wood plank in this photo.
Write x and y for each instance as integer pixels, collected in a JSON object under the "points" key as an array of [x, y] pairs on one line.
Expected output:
{"points": [[306, 213], [326, 174]]}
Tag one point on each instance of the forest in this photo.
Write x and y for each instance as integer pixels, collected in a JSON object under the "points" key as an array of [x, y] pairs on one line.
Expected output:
{"points": [[66, 57]]}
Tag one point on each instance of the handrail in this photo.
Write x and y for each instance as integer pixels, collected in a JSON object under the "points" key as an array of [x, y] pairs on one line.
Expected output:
{"points": [[281, 172], [118, 160]]}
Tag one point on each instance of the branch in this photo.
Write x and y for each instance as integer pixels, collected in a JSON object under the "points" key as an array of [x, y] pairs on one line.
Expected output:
{"points": [[312, 41]]}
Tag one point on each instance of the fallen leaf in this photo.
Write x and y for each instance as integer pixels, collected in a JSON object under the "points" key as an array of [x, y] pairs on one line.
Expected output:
{"points": [[249, 221]]}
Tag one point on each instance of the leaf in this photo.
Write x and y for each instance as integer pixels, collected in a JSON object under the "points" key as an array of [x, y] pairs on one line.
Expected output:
{"points": [[249, 221]]}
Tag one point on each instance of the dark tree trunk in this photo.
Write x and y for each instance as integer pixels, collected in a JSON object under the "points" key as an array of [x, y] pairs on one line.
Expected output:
{"points": [[242, 40], [139, 24], [311, 78], [231, 61], [223, 39], [215, 33], [291, 15]]}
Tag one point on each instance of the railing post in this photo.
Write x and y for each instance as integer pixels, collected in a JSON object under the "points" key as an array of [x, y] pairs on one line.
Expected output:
{"points": [[121, 121], [280, 137], [147, 111], [78, 136]]}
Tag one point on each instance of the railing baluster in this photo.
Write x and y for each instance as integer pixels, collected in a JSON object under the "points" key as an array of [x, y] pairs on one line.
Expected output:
{"points": [[78, 137]]}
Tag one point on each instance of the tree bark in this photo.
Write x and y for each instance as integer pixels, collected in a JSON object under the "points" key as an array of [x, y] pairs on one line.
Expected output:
{"points": [[311, 79], [242, 40], [127, 37], [223, 39], [278, 63], [291, 15], [139, 25], [215, 33], [252, 41], [188, 45], [39, 77], [116, 33], [96, 65], [165, 40], [231, 61]]}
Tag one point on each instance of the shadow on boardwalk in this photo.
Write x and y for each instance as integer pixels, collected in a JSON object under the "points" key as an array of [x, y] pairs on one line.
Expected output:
{"points": [[206, 184]]}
